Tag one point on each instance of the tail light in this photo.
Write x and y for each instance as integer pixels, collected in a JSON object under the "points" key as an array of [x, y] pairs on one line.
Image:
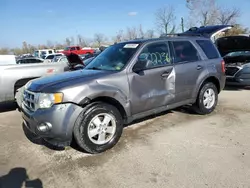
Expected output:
{"points": [[223, 68]]}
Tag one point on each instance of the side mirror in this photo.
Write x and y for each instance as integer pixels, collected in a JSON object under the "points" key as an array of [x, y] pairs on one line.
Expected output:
{"points": [[140, 65]]}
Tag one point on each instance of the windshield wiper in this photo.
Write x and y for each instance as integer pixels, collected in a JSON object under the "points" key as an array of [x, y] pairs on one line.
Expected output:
{"points": [[95, 68]]}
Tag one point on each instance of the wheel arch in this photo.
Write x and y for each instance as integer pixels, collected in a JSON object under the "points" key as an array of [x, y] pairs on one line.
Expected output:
{"points": [[21, 82], [107, 100], [211, 79]]}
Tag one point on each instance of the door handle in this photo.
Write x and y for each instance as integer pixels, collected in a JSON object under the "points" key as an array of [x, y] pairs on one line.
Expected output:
{"points": [[165, 74], [199, 67]]}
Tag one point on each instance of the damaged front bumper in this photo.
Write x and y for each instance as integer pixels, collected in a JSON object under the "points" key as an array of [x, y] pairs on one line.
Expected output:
{"points": [[54, 125]]}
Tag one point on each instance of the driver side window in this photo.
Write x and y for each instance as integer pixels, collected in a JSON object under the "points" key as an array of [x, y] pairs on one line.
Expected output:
{"points": [[156, 55]]}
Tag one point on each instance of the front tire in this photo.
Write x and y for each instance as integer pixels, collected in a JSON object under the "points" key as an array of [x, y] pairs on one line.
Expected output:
{"points": [[98, 128], [207, 99]]}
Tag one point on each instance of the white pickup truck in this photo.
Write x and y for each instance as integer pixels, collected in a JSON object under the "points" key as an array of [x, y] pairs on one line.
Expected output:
{"points": [[13, 77]]}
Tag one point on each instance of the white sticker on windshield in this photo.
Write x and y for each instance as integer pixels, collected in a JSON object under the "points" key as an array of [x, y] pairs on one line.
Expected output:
{"points": [[131, 46]]}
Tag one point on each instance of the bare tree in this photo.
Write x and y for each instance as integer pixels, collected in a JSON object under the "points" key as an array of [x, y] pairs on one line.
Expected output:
{"points": [[81, 41], [165, 19], [67, 41], [99, 38], [119, 36], [150, 33], [228, 16], [4, 51], [72, 40], [140, 32], [131, 33], [50, 44], [205, 12], [237, 30]]}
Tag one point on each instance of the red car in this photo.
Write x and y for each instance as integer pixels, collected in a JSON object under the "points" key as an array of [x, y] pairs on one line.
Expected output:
{"points": [[77, 50]]}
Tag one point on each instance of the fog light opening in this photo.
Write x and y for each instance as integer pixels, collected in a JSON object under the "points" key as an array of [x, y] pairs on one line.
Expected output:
{"points": [[44, 127]]}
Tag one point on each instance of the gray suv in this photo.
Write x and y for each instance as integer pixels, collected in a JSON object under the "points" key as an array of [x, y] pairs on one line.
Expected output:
{"points": [[127, 81]]}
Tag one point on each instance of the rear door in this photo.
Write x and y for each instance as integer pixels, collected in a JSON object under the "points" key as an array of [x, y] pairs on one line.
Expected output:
{"points": [[188, 67]]}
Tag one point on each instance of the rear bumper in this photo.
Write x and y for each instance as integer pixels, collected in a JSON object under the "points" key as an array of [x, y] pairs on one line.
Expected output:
{"points": [[58, 119]]}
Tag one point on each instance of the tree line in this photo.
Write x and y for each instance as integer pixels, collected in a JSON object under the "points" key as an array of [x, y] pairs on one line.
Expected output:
{"points": [[200, 13]]}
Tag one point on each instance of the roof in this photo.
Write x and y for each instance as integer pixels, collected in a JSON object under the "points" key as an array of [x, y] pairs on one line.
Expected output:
{"points": [[187, 37]]}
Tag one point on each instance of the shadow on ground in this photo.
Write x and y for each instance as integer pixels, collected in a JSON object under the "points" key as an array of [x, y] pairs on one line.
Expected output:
{"points": [[6, 107], [18, 178], [236, 88], [39, 141]]}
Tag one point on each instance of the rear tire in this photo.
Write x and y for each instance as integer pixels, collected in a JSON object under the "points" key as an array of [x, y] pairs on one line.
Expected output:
{"points": [[98, 128], [207, 99]]}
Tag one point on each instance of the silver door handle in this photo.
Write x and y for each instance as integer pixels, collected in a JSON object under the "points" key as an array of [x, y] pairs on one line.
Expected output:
{"points": [[199, 67]]}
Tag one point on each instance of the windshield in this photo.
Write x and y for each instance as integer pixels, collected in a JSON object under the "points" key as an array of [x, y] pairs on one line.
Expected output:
{"points": [[239, 53], [67, 48], [56, 58], [115, 57], [36, 53]]}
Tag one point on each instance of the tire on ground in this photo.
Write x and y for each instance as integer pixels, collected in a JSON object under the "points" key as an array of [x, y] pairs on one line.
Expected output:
{"points": [[80, 131], [199, 107]]}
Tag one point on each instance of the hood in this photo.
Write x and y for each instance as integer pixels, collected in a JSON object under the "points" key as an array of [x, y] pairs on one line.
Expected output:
{"points": [[230, 44], [207, 31], [73, 59], [60, 81]]}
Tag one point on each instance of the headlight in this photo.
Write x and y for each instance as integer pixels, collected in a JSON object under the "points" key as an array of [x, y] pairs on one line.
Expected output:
{"points": [[46, 100]]}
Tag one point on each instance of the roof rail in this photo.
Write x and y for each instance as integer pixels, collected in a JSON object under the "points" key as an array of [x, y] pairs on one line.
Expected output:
{"points": [[181, 34]]}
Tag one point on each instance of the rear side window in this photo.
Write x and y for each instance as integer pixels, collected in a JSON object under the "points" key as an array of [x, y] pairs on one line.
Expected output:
{"points": [[184, 52], [208, 48], [50, 52]]}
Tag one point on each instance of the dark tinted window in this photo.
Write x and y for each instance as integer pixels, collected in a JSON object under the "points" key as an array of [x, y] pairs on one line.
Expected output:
{"points": [[50, 57], [184, 51], [208, 48], [157, 55], [33, 61], [77, 48], [50, 52]]}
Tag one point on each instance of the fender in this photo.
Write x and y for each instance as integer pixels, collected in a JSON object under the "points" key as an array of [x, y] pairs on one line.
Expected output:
{"points": [[102, 90], [201, 81]]}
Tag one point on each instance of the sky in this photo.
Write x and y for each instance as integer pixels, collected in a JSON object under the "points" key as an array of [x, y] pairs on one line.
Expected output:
{"points": [[37, 21]]}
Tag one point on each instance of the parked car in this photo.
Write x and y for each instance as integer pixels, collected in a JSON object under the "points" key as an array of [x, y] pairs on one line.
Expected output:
{"points": [[14, 77], [60, 59], [86, 56], [44, 52], [49, 58], [28, 60], [127, 81], [234, 49], [236, 53], [7, 59], [77, 50]]}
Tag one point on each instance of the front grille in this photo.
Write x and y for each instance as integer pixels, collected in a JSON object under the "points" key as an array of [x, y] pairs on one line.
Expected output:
{"points": [[29, 100], [231, 71]]}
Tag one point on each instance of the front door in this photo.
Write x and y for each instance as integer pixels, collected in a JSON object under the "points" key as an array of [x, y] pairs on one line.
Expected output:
{"points": [[188, 67], [154, 86]]}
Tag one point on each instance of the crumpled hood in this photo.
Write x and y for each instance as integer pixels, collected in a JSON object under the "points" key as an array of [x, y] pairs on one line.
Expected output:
{"points": [[63, 80]]}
